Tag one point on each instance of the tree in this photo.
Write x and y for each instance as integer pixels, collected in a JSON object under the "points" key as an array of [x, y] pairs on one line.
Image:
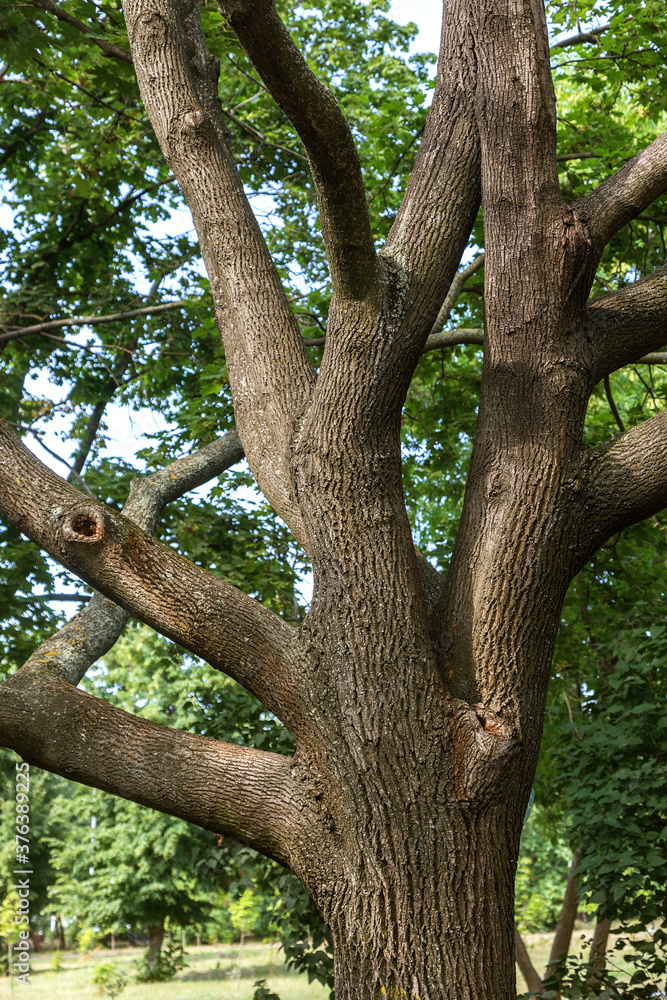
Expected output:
{"points": [[415, 699]]}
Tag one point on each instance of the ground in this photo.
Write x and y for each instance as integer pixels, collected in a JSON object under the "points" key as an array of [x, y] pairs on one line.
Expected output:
{"points": [[212, 973]]}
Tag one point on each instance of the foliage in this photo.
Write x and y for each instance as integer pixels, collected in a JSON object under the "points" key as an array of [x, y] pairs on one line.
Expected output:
{"points": [[544, 863], [56, 961], [170, 961], [575, 977], [108, 980], [262, 992], [617, 780]]}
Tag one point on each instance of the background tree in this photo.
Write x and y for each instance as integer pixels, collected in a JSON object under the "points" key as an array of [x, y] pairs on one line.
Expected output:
{"points": [[415, 703]]}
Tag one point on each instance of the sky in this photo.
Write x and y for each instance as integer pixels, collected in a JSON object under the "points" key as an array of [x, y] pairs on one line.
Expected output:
{"points": [[427, 14]]}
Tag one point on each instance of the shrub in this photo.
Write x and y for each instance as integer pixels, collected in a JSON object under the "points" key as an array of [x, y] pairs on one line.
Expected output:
{"points": [[57, 961], [262, 992], [109, 981]]}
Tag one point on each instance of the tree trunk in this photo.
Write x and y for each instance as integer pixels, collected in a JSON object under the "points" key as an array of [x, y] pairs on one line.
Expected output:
{"points": [[409, 934], [528, 970], [155, 936], [598, 954], [568, 914]]}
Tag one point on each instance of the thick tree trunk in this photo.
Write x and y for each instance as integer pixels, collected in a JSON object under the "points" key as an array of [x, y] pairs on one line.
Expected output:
{"points": [[155, 936], [425, 927]]}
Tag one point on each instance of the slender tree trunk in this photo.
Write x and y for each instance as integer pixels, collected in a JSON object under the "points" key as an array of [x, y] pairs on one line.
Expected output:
{"points": [[597, 957], [568, 914], [155, 937], [528, 970]]}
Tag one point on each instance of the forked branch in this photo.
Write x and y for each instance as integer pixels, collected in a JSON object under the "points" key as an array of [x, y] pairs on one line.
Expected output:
{"points": [[627, 193], [270, 373], [314, 112], [233, 790], [192, 607]]}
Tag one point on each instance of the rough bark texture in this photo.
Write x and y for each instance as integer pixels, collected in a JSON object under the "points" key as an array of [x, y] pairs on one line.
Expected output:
{"points": [[416, 703]]}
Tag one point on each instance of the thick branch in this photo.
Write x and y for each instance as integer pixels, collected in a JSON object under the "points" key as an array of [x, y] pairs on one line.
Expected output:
{"points": [[623, 326], [627, 193], [438, 211], [271, 375], [58, 324], [108, 48], [233, 790], [97, 627], [210, 618], [314, 112], [627, 479]]}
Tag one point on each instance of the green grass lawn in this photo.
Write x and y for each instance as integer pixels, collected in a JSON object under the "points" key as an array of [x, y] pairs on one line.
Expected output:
{"points": [[212, 974]]}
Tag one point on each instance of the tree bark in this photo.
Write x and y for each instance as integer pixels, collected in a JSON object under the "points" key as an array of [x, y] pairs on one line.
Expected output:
{"points": [[416, 705], [597, 958], [568, 915], [155, 937]]}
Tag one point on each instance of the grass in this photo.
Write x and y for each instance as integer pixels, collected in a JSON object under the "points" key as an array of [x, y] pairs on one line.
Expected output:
{"points": [[212, 974]]}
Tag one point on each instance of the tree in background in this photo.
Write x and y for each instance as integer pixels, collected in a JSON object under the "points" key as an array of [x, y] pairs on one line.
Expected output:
{"points": [[415, 700]]}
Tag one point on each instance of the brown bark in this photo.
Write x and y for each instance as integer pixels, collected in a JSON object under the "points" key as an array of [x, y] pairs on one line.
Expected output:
{"points": [[568, 914], [155, 938], [528, 970], [597, 958], [416, 704]]}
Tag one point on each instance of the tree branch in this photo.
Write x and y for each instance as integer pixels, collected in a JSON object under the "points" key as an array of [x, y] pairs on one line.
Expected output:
{"points": [[270, 373], [96, 628], [624, 195], [623, 326], [436, 216], [582, 38], [455, 290], [111, 553], [627, 479], [108, 48], [314, 112], [58, 324], [245, 793]]}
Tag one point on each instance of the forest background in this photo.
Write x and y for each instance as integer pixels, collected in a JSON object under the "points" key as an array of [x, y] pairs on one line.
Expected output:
{"points": [[97, 231]]}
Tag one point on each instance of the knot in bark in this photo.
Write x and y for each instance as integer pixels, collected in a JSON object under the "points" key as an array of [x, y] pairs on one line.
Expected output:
{"points": [[84, 525], [483, 746]]}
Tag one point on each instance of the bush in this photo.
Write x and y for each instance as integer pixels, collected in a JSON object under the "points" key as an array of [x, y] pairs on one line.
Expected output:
{"points": [[57, 961], [4, 965], [170, 961], [109, 982], [87, 940], [262, 992]]}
